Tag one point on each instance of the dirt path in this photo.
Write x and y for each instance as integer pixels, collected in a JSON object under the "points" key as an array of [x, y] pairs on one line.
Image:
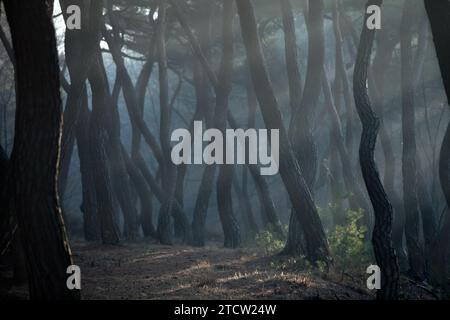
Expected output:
{"points": [[148, 271]]}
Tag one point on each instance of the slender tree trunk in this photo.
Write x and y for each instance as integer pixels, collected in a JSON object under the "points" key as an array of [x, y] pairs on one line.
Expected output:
{"points": [[201, 205], [111, 124], [357, 198], [377, 83], [300, 130], [409, 170], [98, 140], [438, 12], [291, 55], [315, 243], [429, 225], [226, 172], [301, 127], [342, 76], [91, 224], [143, 190], [269, 215], [248, 218], [155, 188], [381, 237], [80, 47], [203, 110], [35, 157], [168, 169]]}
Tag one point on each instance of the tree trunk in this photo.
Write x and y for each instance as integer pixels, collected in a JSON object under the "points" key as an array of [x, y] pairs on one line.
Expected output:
{"points": [[80, 47], [226, 172], [342, 76], [201, 205], [291, 55], [202, 109], [409, 170], [102, 181], [141, 187], [248, 218], [377, 83], [301, 126], [439, 14], [381, 237], [167, 168], [111, 124], [315, 244], [357, 198], [35, 156], [269, 215], [91, 224], [300, 130]]}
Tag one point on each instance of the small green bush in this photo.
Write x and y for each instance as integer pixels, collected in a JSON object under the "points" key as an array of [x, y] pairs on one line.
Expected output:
{"points": [[347, 243], [269, 241]]}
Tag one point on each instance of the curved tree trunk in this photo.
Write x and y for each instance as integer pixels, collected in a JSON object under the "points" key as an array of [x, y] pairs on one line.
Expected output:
{"points": [[377, 83], [357, 198], [103, 106], [381, 237], [315, 246], [80, 47], [35, 157], [301, 126]]}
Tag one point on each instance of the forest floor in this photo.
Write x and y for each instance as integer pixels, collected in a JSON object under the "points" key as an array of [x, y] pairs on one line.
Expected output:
{"points": [[149, 271]]}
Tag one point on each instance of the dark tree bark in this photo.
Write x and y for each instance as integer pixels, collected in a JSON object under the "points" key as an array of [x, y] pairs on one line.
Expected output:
{"points": [[381, 237], [438, 12], [269, 215], [249, 222], [429, 225], [201, 205], [295, 96], [98, 141], [301, 126], [155, 188], [103, 105], [91, 224], [409, 170], [341, 76], [208, 177], [357, 198], [135, 101], [377, 84], [340, 88], [143, 190], [167, 168], [80, 47], [35, 157], [203, 110], [291, 55], [6, 232], [226, 172], [300, 130], [315, 243]]}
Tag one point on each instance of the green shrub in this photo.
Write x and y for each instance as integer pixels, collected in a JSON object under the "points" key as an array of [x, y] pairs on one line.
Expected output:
{"points": [[347, 243], [269, 241]]}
